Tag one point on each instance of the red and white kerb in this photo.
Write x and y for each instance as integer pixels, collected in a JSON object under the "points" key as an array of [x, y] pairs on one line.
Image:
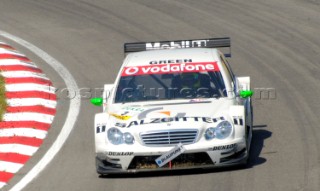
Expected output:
{"points": [[31, 108]]}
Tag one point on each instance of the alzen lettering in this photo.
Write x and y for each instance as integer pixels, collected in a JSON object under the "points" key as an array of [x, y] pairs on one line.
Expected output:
{"points": [[174, 119]]}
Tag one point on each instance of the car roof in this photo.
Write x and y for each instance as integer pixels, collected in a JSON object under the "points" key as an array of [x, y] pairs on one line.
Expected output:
{"points": [[168, 56]]}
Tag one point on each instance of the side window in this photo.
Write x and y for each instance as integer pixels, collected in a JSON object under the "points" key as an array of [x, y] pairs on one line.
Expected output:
{"points": [[227, 67], [229, 73]]}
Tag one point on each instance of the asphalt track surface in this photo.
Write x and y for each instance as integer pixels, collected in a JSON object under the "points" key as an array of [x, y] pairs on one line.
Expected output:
{"points": [[276, 43]]}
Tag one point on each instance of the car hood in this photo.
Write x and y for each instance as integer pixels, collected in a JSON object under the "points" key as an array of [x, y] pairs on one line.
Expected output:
{"points": [[153, 115]]}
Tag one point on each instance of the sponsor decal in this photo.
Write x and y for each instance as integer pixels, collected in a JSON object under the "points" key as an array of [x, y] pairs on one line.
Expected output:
{"points": [[169, 156], [101, 128], [170, 68], [199, 100], [177, 44], [173, 119], [168, 113], [120, 124], [144, 114], [238, 120], [128, 108], [125, 112], [121, 117], [119, 153], [223, 147], [172, 61]]}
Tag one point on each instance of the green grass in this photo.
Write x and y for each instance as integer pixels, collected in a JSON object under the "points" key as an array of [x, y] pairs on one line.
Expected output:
{"points": [[3, 101]]}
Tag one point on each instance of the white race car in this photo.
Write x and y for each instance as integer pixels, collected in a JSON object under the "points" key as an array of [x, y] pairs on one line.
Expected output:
{"points": [[174, 105]]}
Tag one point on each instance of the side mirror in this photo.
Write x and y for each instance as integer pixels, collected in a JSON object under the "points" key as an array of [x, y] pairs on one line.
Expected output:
{"points": [[245, 93], [97, 101]]}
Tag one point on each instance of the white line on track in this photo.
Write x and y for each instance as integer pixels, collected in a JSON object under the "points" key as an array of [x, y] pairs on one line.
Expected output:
{"points": [[74, 109]]}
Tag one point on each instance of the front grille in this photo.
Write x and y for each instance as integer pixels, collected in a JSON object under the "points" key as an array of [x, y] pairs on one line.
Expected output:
{"points": [[169, 137]]}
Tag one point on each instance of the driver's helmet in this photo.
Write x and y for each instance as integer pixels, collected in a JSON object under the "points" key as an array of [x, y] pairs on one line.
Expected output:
{"points": [[190, 80]]}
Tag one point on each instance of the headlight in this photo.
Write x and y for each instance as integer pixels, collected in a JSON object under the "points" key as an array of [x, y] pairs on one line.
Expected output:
{"points": [[128, 138], [223, 130], [210, 133], [116, 137]]}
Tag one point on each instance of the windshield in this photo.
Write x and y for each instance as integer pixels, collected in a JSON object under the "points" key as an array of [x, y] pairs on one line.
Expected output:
{"points": [[169, 85]]}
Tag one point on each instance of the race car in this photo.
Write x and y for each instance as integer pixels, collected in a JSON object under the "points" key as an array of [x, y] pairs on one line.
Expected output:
{"points": [[174, 105]]}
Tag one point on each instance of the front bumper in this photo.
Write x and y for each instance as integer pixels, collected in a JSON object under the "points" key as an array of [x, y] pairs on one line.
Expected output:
{"points": [[228, 154]]}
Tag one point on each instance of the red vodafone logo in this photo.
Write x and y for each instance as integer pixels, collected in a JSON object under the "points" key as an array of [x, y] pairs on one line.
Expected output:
{"points": [[131, 70], [170, 68]]}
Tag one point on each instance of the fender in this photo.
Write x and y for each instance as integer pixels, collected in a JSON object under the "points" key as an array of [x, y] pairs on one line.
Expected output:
{"points": [[237, 113], [244, 84], [100, 127]]}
